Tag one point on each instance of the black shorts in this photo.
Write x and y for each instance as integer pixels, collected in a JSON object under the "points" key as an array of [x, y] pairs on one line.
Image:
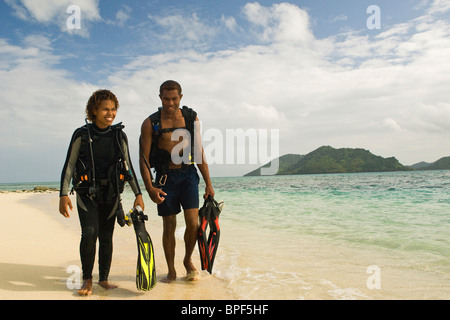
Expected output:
{"points": [[182, 191]]}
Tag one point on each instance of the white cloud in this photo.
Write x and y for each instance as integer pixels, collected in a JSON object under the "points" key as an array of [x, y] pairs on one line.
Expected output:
{"points": [[392, 124], [439, 6], [55, 12], [229, 23], [122, 16], [341, 17], [387, 93], [43, 11], [280, 23], [37, 97], [302, 86], [183, 29], [40, 106], [19, 11]]}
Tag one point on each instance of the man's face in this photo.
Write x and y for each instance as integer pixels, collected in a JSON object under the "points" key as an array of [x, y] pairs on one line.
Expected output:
{"points": [[170, 100]]}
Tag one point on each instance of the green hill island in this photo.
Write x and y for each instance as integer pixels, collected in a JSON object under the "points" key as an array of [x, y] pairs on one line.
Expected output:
{"points": [[327, 159]]}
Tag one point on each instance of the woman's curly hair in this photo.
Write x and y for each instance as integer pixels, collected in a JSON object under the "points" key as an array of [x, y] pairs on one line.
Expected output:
{"points": [[97, 98]]}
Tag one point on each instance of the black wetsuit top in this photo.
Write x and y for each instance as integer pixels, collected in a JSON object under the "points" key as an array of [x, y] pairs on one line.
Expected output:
{"points": [[105, 152]]}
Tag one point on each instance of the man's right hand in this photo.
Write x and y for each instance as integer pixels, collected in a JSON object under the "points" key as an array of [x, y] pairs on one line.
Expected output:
{"points": [[157, 195]]}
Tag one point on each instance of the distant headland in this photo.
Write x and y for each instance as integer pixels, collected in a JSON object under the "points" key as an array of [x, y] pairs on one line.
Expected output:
{"points": [[327, 159]]}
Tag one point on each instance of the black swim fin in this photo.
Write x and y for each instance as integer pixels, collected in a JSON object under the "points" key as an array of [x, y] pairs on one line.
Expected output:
{"points": [[145, 271], [209, 216]]}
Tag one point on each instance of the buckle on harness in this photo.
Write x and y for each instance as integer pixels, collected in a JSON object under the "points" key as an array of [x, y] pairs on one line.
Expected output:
{"points": [[162, 180]]}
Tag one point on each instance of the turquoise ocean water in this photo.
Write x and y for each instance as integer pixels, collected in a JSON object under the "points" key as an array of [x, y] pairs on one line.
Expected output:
{"points": [[320, 236], [337, 236]]}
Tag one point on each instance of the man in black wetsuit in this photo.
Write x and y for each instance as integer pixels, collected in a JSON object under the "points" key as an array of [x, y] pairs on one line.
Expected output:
{"points": [[98, 164]]}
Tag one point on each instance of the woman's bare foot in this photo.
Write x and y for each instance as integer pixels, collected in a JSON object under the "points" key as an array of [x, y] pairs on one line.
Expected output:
{"points": [[86, 289]]}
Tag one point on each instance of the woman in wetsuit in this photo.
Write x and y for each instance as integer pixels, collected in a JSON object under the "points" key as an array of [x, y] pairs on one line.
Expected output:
{"points": [[98, 164]]}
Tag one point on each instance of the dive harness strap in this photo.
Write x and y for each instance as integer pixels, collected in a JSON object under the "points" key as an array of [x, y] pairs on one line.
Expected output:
{"points": [[159, 158], [84, 179]]}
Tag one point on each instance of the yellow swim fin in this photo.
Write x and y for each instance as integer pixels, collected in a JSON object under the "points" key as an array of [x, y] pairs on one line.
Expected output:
{"points": [[145, 270]]}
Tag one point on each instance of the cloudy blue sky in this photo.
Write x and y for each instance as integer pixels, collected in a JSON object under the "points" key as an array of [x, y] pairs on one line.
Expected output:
{"points": [[312, 69]]}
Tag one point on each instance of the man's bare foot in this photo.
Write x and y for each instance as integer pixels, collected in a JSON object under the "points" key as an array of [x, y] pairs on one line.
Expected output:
{"points": [[107, 285], [191, 272], [193, 276], [171, 276], [86, 289]]}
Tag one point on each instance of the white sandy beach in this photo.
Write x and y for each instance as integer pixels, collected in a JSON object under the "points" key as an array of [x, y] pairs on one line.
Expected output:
{"points": [[39, 251]]}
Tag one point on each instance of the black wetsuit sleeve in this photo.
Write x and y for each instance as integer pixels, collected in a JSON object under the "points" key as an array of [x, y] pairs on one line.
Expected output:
{"points": [[69, 166], [133, 183]]}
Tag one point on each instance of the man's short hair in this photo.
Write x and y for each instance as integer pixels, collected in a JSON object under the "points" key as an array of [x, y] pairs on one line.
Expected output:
{"points": [[170, 85]]}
